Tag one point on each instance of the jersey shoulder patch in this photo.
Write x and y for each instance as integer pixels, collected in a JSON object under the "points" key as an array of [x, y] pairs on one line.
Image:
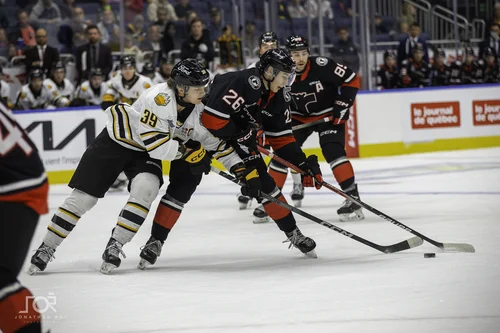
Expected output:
{"points": [[84, 88], [162, 99], [147, 85], [321, 61], [254, 82]]}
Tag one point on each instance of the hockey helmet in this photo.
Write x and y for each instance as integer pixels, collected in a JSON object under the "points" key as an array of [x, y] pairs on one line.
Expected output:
{"points": [[279, 60], [36, 73], [296, 43], [58, 65], [127, 61], [390, 54], [488, 51], [440, 53], [95, 72], [469, 51], [418, 48], [189, 72], [148, 68], [269, 37]]}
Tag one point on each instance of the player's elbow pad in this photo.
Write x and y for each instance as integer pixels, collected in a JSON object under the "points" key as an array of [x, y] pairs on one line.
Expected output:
{"points": [[348, 93]]}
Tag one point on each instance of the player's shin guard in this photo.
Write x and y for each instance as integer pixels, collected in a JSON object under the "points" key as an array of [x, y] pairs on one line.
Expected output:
{"points": [[63, 222], [279, 173], [167, 214], [17, 311]]}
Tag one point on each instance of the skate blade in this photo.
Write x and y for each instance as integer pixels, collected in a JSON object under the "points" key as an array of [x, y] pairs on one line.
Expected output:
{"points": [[143, 264], [107, 267], [297, 203], [260, 220], [354, 216], [244, 206], [32, 270], [311, 254]]}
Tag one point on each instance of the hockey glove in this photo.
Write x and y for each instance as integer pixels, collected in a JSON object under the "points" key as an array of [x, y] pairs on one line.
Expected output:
{"points": [[250, 177], [340, 111], [248, 138], [312, 176], [196, 156]]}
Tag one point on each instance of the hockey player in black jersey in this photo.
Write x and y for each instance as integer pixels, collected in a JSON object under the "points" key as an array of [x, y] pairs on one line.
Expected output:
{"points": [[440, 71], [414, 72], [239, 104], [23, 198], [388, 73], [491, 70], [322, 88], [472, 68]]}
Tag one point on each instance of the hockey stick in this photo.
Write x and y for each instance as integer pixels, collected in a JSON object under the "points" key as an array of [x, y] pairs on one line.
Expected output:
{"points": [[452, 247], [316, 122], [404, 245]]}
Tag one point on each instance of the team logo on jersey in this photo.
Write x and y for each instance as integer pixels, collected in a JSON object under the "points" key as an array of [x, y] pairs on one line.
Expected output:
{"points": [[286, 93], [254, 82], [321, 61], [147, 85], [162, 99]]}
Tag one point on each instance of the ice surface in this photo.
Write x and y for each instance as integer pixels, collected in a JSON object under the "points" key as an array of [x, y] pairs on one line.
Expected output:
{"points": [[220, 273]]}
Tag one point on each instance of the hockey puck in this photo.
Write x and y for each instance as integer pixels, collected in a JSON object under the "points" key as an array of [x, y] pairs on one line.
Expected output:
{"points": [[429, 255]]}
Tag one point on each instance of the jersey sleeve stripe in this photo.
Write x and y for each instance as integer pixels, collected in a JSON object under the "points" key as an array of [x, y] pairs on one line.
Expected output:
{"points": [[212, 122], [349, 79], [277, 134], [127, 122], [118, 137], [352, 82], [223, 153], [217, 113], [150, 133], [150, 141], [161, 142]]}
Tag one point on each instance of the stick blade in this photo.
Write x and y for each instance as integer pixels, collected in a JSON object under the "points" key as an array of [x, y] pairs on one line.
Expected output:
{"points": [[404, 245], [458, 247]]}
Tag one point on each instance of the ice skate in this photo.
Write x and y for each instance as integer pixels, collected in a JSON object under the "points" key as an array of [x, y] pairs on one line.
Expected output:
{"points": [[111, 256], [297, 194], [305, 244], [260, 215], [41, 258], [351, 211], [150, 252], [244, 201]]}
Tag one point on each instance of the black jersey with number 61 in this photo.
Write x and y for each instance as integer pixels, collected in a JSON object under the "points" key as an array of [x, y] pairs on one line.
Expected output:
{"points": [[319, 85]]}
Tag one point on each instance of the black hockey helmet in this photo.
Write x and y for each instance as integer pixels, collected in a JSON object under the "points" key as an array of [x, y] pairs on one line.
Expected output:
{"points": [[296, 43], [127, 61], [488, 51], [269, 37], [58, 65], [148, 68], [36, 73], [390, 54], [440, 53], [279, 60], [189, 73], [418, 48], [95, 72], [469, 51]]}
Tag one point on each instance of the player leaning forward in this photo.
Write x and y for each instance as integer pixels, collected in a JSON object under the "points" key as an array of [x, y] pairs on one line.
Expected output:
{"points": [[239, 103], [135, 140]]}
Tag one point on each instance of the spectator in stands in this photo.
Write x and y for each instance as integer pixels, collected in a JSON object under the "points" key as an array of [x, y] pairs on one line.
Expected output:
{"points": [[4, 44], [45, 12], [42, 55], [325, 7], [137, 29], [191, 15], [407, 14], [67, 7], [496, 16], [406, 46], [252, 40], [404, 28], [165, 69], [155, 5], [182, 8], [65, 37], [198, 46], [4, 21], [492, 41], [94, 54], [344, 7], [379, 27], [78, 21], [103, 6], [23, 30], [110, 31], [168, 41], [4, 91], [133, 8], [345, 52], [130, 47], [153, 44], [215, 26], [296, 10], [163, 18], [79, 36], [283, 10]]}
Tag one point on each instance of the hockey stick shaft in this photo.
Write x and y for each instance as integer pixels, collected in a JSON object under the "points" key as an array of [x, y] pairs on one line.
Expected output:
{"points": [[313, 123], [460, 247], [404, 245]]}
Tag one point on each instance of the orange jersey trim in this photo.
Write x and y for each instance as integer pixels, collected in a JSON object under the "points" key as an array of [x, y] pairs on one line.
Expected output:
{"points": [[35, 198], [211, 122]]}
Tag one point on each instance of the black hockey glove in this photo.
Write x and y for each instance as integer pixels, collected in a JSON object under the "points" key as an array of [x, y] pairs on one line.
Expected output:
{"points": [[313, 176], [248, 138], [250, 177], [196, 156], [340, 111]]}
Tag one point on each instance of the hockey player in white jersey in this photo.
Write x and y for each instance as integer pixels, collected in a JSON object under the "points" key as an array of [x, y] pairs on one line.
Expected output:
{"points": [[35, 95], [126, 86], [91, 92], [135, 140], [148, 70], [58, 82], [4, 91]]}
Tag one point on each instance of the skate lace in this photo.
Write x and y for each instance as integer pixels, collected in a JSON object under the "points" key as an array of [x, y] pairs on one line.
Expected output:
{"points": [[297, 189], [154, 246], [116, 249], [295, 238], [46, 253]]}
